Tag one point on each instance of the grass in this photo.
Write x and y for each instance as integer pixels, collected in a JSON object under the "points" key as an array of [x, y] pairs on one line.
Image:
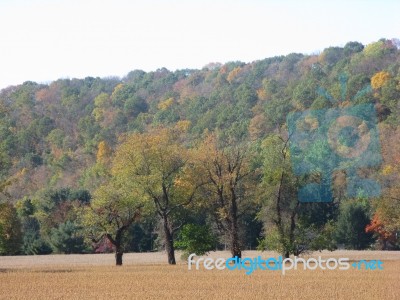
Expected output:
{"points": [[147, 276]]}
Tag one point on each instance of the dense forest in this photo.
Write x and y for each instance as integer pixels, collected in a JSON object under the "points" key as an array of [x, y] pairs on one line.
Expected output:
{"points": [[195, 159]]}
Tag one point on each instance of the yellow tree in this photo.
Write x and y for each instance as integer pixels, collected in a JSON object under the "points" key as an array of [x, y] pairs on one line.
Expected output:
{"points": [[10, 230], [233, 74], [103, 152], [157, 164], [227, 187], [379, 79]]}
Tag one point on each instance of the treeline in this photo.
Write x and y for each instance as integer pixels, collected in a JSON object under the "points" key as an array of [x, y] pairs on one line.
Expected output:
{"points": [[149, 161]]}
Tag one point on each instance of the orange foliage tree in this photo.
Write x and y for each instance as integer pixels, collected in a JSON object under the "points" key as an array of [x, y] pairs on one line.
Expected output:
{"points": [[378, 227]]}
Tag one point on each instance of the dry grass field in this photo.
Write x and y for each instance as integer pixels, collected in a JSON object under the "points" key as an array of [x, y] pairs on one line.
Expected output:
{"points": [[147, 276]]}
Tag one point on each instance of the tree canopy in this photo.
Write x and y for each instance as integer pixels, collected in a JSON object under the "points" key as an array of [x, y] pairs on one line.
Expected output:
{"points": [[107, 164]]}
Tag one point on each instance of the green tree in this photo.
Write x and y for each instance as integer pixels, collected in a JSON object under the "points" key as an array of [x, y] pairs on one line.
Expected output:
{"points": [[352, 47], [280, 198], [55, 207], [67, 238], [33, 243], [195, 238], [115, 207], [134, 105], [351, 224]]}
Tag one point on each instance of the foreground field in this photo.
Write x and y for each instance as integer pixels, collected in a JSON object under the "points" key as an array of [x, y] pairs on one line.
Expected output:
{"points": [[147, 276]]}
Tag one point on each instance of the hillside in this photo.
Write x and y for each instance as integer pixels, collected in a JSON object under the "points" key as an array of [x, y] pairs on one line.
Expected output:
{"points": [[53, 136]]}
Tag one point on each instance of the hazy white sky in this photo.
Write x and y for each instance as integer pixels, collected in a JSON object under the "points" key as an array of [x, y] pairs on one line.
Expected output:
{"points": [[43, 40]]}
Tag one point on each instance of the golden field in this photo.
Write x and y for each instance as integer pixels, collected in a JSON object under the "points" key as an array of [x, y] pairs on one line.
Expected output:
{"points": [[148, 276]]}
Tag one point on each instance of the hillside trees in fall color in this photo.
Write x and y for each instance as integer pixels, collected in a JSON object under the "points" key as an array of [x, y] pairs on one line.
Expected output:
{"points": [[158, 150]]}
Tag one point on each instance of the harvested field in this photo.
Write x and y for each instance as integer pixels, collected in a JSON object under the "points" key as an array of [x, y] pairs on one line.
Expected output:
{"points": [[148, 276]]}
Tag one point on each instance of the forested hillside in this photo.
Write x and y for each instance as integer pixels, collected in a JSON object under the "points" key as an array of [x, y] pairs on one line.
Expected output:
{"points": [[194, 159]]}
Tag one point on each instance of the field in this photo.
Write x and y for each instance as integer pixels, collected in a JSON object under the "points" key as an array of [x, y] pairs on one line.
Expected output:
{"points": [[147, 276]]}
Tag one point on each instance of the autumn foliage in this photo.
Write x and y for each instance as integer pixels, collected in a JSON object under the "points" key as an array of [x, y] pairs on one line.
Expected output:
{"points": [[379, 79], [384, 235], [195, 146]]}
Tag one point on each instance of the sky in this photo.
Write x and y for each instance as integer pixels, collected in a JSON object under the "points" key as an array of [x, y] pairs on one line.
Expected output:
{"points": [[44, 40]]}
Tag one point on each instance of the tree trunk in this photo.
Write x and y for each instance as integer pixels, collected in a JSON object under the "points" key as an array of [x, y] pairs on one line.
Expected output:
{"points": [[169, 241], [235, 244], [286, 254], [293, 247], [117, 242], [279, 221], [118, 257]]}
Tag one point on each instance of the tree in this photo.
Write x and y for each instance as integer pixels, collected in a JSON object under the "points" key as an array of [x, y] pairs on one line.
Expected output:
{"points": [[332, 55], [292, 224], [196, 239], [56, 207], [384, 236], [352, 221], [224, 169], [33, 243], [67, 238], [103, 152], [134, 105], [101, 102], [115, 207], [353, 47], [281, 202], [389, 210], [157, 163], [10, 230], [385, 223], [379, 79]]}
